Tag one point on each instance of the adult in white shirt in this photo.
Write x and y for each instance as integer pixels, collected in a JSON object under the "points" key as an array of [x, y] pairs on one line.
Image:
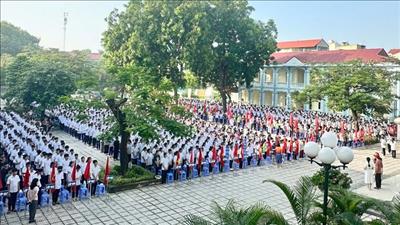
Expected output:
{"points": [[13, 189], [164, 167]]}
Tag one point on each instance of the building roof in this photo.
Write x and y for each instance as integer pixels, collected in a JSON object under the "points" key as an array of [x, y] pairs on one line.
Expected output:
{"points": [[335, 56], [394, 51], [95, 56], [299, 44]]}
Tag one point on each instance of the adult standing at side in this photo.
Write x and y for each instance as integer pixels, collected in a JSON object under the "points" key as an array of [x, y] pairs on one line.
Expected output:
{"points": [[33, 199], [13, 184], [378, 170], [383, 145]]}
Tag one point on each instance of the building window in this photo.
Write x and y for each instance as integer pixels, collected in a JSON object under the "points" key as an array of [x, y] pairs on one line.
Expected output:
{"points": [[268, 75], [257, 78], [282, 79], [298, 76]]}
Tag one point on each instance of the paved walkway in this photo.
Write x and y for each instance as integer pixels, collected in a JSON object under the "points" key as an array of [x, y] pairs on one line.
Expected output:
{"points": [[82, 149], [168, 204]]}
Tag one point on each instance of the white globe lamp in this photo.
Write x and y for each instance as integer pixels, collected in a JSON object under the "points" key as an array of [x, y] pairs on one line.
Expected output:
{"points": [[311, 149], [329, 139], [327, 155], [345, 155]]}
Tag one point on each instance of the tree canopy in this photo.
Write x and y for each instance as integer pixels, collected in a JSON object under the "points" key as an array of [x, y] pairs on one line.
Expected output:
{"points": [[228, 48], [151, 34], [43, 76], [14, 40], [359, 87]]}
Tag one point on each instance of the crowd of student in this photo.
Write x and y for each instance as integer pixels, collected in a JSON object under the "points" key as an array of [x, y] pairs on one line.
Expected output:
{"points": [[30, 154], [244, 133]]}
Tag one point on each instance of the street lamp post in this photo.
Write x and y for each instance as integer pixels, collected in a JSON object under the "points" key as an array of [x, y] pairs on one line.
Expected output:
{"points": [[327, 155]]}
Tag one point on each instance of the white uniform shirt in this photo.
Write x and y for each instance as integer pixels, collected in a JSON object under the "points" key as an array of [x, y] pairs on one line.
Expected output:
{"points": [[13, 181]]}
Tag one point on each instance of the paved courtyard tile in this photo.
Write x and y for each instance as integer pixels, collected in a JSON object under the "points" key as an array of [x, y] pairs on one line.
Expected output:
{"points": [[168, 204]]}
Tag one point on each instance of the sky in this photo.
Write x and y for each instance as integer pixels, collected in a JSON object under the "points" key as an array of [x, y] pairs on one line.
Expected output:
{"points": [[374, 24]]}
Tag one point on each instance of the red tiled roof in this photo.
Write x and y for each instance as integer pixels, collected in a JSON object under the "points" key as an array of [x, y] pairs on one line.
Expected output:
{"points": [[299, 44], [336, 56], [394, 51], [94, 56]]}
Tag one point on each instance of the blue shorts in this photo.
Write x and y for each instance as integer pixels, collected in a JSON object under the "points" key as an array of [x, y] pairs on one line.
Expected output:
{"points": [[279, 158]]}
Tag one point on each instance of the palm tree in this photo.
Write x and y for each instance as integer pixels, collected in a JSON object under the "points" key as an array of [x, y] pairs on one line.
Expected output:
{"points": [[390, 210], [301, 198], [232, 215], [347, 208]]}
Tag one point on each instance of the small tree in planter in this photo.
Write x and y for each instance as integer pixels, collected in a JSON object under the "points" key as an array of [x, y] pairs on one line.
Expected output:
{"points": [[337, 179]]}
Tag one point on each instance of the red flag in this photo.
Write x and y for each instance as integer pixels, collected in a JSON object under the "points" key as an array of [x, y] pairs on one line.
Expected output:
{"points": [[341, 127], [178, 157], [107, 171], [296, 124], [269, 148], [235, 153], [214, 156], [191, 158], [284, 146], [73, 176], [316, 125], [291, 120], [86, 174], [200, 160], [53, 173], [242, 152], [195, 108], [221, 156], [229, 113], [26, 179], [260, 151]]}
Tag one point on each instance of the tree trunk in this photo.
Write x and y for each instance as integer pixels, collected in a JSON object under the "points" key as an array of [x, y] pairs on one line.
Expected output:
{"points": [[115, 107], [223, 96], [123, 146], [355, 118], [176, 94]]}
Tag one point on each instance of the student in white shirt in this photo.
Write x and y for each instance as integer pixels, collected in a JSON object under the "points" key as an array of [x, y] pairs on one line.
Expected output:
{"points": [[77, 182], [13, 189], [57, 185], [383, 145], [94, 174]]}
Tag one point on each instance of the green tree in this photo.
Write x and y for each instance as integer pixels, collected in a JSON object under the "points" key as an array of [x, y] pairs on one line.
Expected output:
{"points": [[362, 88], [14, 40], [42, 76], [228, 48], [42, 82], [151, 34], [233, 215], [139, 105]]}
